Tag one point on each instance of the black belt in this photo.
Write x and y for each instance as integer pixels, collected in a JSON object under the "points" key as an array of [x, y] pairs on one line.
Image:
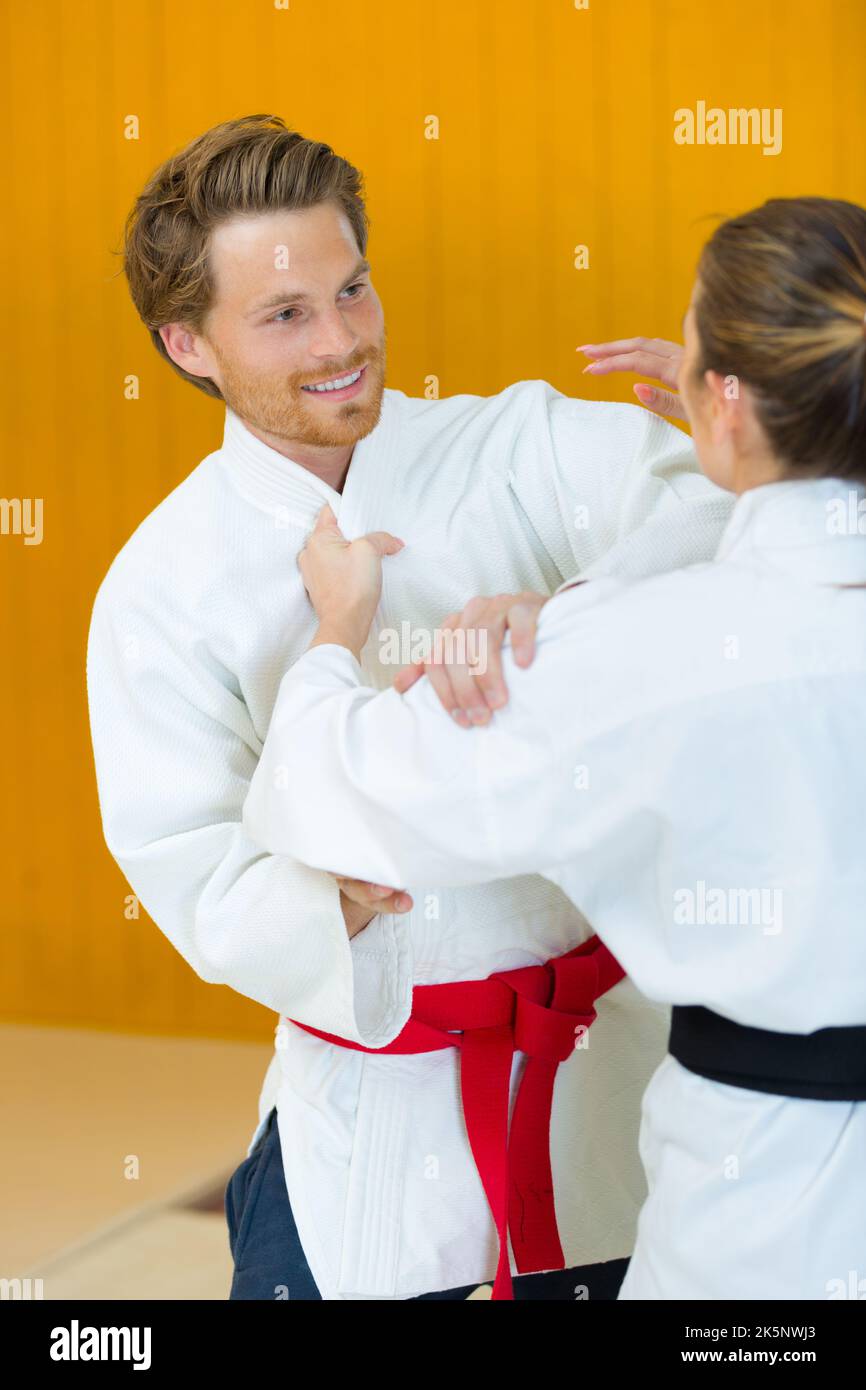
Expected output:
{"points": [[829, 1064]]}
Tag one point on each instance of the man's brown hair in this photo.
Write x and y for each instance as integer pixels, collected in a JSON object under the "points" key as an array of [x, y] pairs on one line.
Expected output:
{"points": [[254, 164]]}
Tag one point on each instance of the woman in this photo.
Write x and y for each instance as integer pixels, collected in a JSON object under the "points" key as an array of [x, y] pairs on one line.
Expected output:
{"points": [[684, 758]]}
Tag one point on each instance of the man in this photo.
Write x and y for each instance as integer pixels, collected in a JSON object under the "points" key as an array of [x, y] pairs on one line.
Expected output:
{"points": [[245, 256]]}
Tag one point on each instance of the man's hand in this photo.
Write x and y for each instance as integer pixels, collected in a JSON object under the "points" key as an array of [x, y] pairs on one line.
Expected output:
{"points": [[361, 902], [465, 668], [654, 357]]}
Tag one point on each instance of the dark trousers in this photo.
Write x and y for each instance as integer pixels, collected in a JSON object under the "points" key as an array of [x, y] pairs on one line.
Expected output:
{"points": [[270, 1263]]}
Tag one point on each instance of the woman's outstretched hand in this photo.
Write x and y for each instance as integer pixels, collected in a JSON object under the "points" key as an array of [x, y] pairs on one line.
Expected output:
{"points": [[654, 357], [344, 580]]}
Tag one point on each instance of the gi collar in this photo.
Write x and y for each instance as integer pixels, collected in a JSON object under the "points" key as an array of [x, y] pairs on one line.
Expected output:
{"points": [[815, 528], [285, 489]]}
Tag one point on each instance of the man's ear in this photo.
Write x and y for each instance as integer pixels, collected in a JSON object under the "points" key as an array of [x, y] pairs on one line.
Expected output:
{"points": [[187, 350]]}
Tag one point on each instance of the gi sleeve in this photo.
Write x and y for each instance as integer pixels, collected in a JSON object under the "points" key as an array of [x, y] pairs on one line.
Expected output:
{"points": [[391, 788], [613, 489], [175, 751]]}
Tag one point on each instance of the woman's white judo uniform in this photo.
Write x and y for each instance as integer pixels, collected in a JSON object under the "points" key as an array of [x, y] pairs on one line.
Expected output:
{"points": [[685, 759]]}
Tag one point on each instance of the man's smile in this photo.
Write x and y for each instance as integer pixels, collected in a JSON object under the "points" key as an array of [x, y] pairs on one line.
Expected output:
{"points": [[339, 387]]}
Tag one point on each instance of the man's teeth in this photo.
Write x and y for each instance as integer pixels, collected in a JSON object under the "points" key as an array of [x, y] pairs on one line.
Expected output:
{"points": [[337, 384]]}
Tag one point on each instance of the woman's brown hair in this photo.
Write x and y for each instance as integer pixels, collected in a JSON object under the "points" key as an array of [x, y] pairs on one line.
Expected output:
{"points": [[254, 164], [781, 306]]}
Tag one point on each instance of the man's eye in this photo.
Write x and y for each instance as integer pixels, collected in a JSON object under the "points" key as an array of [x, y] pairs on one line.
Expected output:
{"points": [[278, 317], [360, 286]]}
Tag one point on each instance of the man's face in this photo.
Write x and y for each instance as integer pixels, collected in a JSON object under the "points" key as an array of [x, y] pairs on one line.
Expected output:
{"points": [[293, 307]]}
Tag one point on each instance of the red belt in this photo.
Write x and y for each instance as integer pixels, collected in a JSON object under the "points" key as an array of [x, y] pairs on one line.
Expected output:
{"points": [[538, 1010]]}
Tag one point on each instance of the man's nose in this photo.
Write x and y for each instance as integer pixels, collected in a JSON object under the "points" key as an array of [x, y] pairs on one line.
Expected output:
{"points": [[333, 336]]}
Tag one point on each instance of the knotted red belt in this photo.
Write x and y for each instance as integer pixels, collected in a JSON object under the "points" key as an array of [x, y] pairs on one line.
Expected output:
{"points": [[541, 1010]]}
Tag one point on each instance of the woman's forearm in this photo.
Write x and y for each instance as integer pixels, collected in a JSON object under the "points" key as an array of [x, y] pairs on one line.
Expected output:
{"points": [[340, 632]]}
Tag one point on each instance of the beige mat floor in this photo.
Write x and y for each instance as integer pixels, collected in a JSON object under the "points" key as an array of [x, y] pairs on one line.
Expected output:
{"points": [[114, 1155], [108, 1144]]}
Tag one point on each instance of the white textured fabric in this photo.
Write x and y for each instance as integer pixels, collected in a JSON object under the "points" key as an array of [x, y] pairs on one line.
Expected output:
{"points": [[685, 759], [196, 623]]}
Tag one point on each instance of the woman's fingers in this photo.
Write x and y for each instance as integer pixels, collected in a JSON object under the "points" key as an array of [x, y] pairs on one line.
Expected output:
{"points": [[383, 542], [665, 369], [327, 530], [654, 357], [660, 347], [344, 579], [326, 520], [660, 402]]}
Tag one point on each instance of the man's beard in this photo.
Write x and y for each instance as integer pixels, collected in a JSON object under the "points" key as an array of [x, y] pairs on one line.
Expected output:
{"points": [[278, 406]]}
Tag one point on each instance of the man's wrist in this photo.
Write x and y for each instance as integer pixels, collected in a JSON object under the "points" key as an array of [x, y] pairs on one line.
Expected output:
{"points": [[355, 916]]}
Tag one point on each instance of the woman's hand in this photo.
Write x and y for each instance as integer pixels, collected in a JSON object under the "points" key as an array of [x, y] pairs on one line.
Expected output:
{"points": [[344, 580], [654, 357], [465, 668]]}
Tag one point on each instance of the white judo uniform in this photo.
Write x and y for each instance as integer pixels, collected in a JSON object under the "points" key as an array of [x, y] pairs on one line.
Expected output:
{"points": [[193, 629], [685, 760]]}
